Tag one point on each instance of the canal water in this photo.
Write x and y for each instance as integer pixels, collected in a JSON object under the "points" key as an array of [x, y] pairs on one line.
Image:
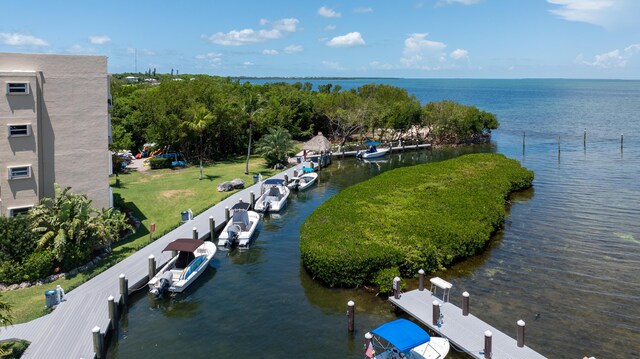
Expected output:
{"points": [[566, 263]]}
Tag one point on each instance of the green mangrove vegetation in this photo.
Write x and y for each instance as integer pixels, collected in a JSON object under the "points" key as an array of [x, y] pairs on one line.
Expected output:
{"points": [[424, 216]]}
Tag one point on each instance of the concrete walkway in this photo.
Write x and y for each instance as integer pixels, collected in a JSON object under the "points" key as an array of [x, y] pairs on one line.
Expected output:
{"points": [[66, 332]]}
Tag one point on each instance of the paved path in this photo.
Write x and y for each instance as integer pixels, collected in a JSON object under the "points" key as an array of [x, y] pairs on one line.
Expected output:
{"points": [[66, 332]]}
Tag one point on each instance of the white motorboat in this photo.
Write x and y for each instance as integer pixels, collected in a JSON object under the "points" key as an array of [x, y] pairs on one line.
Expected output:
{"points": [[273, 197], [303, 181], [240, 227], [192, 259], [404, 339], [373, 151]]}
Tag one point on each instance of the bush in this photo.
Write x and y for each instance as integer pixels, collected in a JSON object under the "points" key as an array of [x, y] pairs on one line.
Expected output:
{"points": [[38, 265], [157, 163], [427, 216], [13, 349], [384, 280]]}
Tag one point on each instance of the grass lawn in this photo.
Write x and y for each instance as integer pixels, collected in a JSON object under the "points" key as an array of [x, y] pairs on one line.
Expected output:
{"points": [[154, 196]]}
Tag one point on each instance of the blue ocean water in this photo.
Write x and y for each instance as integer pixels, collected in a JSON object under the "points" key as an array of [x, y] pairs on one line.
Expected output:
{"points": [[566, 262]]}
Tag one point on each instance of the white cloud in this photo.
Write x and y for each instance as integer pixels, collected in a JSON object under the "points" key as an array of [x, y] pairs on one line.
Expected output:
{"points": [[330, 27], [463, 2], [251, 36], [292, 49], [270, 52], [420, 53], [333, 65], [417, 43], [351, 39], [327, 12], [214, 57], [99, 39], [611, 59], [363, 10], [605, 13], [376, 65], [458, 54], [15, 39]]}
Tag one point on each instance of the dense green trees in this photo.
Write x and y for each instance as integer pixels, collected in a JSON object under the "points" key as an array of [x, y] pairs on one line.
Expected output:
{"points": [[241, 113]]}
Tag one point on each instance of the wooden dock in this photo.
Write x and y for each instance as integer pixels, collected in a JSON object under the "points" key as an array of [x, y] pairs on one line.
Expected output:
{"points": [[66, 333], [464, 332]]}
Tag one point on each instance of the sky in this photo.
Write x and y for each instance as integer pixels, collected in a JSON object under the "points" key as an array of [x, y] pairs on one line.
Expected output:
{"points": [[346, 38]]}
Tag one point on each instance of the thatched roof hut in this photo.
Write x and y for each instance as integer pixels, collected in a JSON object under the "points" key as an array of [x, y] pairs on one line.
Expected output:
{"points": [[318, 144]]}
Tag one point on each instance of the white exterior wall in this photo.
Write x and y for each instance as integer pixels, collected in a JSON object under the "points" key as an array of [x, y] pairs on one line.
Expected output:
{"points": [[68, 110]]}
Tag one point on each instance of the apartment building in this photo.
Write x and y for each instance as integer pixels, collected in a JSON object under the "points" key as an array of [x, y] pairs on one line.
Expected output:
{"points": [[54, 128]]}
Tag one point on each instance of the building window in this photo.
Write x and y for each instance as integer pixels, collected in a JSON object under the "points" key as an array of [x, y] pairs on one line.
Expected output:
{"points": [[19, 172], [19, 130], [17, 211], [18, 88]]}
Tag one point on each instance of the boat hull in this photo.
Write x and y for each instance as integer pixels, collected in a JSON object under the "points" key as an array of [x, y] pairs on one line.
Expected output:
{"points": [[379, 153], [303, 182], [265, 203], [244, 237], [179, 284]]}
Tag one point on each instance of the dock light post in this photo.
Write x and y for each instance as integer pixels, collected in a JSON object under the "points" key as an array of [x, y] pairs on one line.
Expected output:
{"points": [[151, 266], [487, 344], [113, 318], [351, 314], [227, 215], [396, 287], [436, 313], [465, 303], [194, 233], [98, 342], [124, 290], [421, 280], [520, 335], [212, 228]]}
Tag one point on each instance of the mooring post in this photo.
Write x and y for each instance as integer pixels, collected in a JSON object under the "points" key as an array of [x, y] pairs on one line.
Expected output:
{"points": [[311, 165], [436, 312], [98, 342], [465, 303], [286, 179], [396, 287], [194, 233], [295, 173], [113, 318], [212, 228], [151, 266], [124, 290], [226, 214], [524, 135], [351, 313], [558, 145], [621, 140], [520, 335], [252, 198], [487, 344], [367, 340], [584, 138], [402, 144], [421, 280]]}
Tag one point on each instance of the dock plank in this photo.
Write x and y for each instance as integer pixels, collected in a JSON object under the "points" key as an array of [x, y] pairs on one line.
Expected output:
{"points": [[465, 332]]}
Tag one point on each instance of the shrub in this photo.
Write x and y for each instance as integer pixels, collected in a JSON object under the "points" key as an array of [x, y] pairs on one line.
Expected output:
{"points": [[425, 216], [38, 265], [157, 163], [384, 279]]}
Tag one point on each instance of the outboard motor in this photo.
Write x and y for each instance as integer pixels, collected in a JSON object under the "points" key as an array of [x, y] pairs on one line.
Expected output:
{"points": [[233, 232], [267, 206], [162, 284]]}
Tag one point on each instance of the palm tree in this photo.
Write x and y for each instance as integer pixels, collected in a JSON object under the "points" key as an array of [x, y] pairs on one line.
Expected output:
{"points": [[252, 106], [200, 119], [275, 145]]}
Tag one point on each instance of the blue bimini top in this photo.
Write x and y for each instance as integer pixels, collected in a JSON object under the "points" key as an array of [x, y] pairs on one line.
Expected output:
{"points": [[402, 334]]}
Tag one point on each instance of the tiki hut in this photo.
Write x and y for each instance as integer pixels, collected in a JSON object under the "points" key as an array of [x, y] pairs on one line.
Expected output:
{"points": [[318, 144]]}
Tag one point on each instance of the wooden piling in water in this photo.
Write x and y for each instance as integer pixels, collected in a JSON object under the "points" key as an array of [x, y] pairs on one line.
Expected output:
{"points": [[194, 233], [520, 334], [151, 266], [98, 342], [252, 199], [111, 307], [584, 138], [621, 140], [436, 313], [487, 344], [351, 312], [212, 229], [524, 135], [396, 287], [421, 280], [124, 290], [465, 304], [286, 179], [227, 215]]}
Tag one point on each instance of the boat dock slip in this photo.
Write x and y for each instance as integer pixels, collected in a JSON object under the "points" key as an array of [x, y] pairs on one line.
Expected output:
{"points": [[464, 332]]}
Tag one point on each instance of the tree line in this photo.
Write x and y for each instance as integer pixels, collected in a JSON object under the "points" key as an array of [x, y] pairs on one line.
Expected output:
{"points": [[207, 118]]}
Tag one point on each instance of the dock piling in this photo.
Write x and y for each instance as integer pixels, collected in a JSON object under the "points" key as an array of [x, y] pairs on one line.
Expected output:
{"points": [[252, 198], [194, 233], [98, 342], [151, 266], [295, 173], [113, 318], [520, 336], [227, 215], [124, 290], [421, 280], [465, 303], [487, 344], [396, 287], [367, 340], [351, 313], [212, 228], [436, 313], [524, 136], [286, 179], [621, 141], [584, 138]]}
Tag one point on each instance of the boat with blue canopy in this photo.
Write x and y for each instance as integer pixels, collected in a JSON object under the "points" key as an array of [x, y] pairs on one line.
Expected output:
{"points": [[404, 339], [373, 151]]}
